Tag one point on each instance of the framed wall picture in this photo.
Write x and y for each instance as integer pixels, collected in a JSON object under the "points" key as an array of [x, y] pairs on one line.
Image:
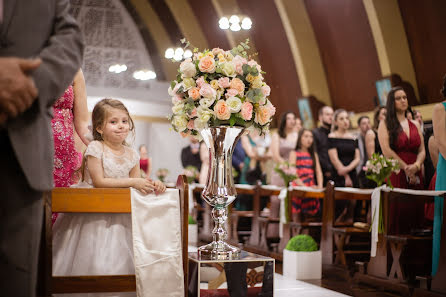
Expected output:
{"points": [[305, 113], [383, 87]]}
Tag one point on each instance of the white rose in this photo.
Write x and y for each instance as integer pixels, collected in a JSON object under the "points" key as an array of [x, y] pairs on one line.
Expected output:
{"points": [[206, 102], [228, 69], [188, 69], [204, 114], [234, 103], [189, 83], [199, 124], [180, 122], [178, 108]]}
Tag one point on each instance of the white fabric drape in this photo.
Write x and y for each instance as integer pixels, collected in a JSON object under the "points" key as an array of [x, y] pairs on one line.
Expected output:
{"points": [[156, 228]]}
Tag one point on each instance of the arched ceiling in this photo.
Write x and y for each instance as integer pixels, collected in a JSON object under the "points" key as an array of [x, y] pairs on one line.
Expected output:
{"points": [[334, 50]]}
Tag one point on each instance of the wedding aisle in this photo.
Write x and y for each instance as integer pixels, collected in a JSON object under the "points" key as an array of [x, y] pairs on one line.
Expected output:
{"points": [[286, 287]]}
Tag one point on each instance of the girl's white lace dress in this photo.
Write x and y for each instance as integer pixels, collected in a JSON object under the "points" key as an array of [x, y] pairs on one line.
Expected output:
{"points": [[97, 244]]}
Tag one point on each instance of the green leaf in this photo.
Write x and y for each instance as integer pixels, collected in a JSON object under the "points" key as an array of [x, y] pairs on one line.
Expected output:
{"points": [[232, 120], [173, 84]]}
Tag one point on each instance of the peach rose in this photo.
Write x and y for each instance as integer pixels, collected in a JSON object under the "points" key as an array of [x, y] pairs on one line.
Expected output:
{"points": [[238, 85], [191, 125], [194, 93], [193, 113], [217, 50], [238, 63], [246, 111], [207, 64], [223, 82], [221, 110], [262, 115], [271, 108]]}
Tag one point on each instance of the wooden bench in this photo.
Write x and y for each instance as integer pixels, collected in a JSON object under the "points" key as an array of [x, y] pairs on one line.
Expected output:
{"points": [[97, 200]]}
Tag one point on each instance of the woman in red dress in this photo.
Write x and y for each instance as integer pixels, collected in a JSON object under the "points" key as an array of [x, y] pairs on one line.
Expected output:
{"points": [[402, 139]]}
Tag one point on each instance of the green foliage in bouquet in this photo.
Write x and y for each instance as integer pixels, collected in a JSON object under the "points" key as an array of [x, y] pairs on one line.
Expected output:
{"points": [[288, 174], [162, 173], [302, 243], [192, 220], [191, 173]]}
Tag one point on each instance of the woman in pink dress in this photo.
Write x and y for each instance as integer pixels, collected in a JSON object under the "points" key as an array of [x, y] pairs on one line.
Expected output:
{"points": [[70, 114]]}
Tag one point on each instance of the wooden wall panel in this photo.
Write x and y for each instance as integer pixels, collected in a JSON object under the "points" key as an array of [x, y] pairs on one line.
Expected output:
{"points": [[348, 51], [274, 53], [425, 23]]}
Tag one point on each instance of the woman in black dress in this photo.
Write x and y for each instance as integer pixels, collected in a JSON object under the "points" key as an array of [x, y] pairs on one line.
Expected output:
{"points": [[344, 155]]}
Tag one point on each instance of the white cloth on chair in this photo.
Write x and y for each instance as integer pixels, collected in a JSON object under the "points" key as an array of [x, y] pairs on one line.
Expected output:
{"points": [[156, 226]]}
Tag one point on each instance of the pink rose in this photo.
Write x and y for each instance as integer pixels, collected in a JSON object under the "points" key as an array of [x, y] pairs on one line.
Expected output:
{"points": [[246, 111], [207, 64], [190, 125], [200, 81], [194, 93], [266, 90], [207, 91], [176, 99], [254, 63], [231, 93], [262, 115], [238, 63], [217, 50], [221, 110], [238, 85], [271, 108], [223, 82], [193, 113]]}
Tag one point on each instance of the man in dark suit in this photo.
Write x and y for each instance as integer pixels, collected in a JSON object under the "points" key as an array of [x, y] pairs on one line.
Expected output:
{"points": [[41, 49], [321, 141]]}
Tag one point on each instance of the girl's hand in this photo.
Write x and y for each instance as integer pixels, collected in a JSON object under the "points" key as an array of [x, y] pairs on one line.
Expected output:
{"points": [[143, 185], [342, 171], [316, 186], [299, 183], [159, 187], [348, 181]]}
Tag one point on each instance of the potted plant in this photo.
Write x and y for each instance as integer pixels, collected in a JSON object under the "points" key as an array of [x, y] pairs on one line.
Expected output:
{"points": [[193, 231], [302, 259]]}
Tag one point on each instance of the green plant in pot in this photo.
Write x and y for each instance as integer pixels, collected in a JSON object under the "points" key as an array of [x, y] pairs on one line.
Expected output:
{"points": [[301, 243], [192, 220], [302, 259]]}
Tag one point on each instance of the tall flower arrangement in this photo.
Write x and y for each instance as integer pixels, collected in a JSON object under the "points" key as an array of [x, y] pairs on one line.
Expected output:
{"points": [[217, 87]]}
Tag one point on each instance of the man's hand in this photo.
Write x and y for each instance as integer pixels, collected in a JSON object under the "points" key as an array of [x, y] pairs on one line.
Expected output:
{"points": [[17, 89]]}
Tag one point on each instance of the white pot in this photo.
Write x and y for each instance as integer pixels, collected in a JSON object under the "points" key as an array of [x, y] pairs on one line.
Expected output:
{"points": [[302, 265], [193, 234]]}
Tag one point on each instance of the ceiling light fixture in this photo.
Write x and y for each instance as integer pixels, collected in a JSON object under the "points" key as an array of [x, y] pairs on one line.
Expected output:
{"points": [[177, 54], [144, 75], [233, 23], [117, 68]]}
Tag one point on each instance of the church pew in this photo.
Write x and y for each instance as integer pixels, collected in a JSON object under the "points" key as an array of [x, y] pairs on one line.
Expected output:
{"points": [[96, 200]]}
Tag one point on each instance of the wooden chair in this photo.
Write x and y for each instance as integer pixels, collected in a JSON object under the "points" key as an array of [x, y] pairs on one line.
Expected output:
{"points": [[98, 200], [340, 234]]}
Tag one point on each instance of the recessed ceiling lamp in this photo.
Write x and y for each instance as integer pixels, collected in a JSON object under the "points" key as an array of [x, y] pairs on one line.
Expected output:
{"points": [[233, 23], [144, 75], [177, 54], [117, 68]]}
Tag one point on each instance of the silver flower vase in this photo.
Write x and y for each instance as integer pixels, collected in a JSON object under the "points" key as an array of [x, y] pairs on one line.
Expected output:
{"points": [[219, 190]]}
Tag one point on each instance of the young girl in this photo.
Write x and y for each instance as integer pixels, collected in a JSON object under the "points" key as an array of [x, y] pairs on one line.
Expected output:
{"points": [[309, 174], [98, 244]]}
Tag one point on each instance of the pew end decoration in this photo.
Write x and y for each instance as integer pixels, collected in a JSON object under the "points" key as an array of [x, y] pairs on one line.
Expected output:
{"points": [[288, 173], [162, 174], [217, 96], [379, 169], [302, 259], [192, 174]]}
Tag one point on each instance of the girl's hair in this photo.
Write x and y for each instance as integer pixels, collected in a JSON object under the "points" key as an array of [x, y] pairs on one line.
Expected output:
{"points": [[337, 112], [392, 123], [312, 147], [376, 117], [100, 113], [98, 118], [282, 125]]}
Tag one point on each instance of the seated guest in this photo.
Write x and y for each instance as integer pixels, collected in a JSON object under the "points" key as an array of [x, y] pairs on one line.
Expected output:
{"points": [[309, 173], [344, 155], [190, 155], [321, 141]]}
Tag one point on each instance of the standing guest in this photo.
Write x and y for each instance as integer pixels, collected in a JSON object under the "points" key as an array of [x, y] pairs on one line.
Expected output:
{"points": [[344, 155], [410, 113], [145, 162], [190, 155], [43, 29], [321, 141], [402, 139], [417, 116], [364, 127], [371, 137], [309, 174], [283, 142], [428, 166], [238, 161], [298, 124], [439, 123]]}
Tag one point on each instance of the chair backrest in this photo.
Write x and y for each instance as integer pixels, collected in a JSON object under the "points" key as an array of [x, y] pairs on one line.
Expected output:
{"points": [[97, 200]]}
